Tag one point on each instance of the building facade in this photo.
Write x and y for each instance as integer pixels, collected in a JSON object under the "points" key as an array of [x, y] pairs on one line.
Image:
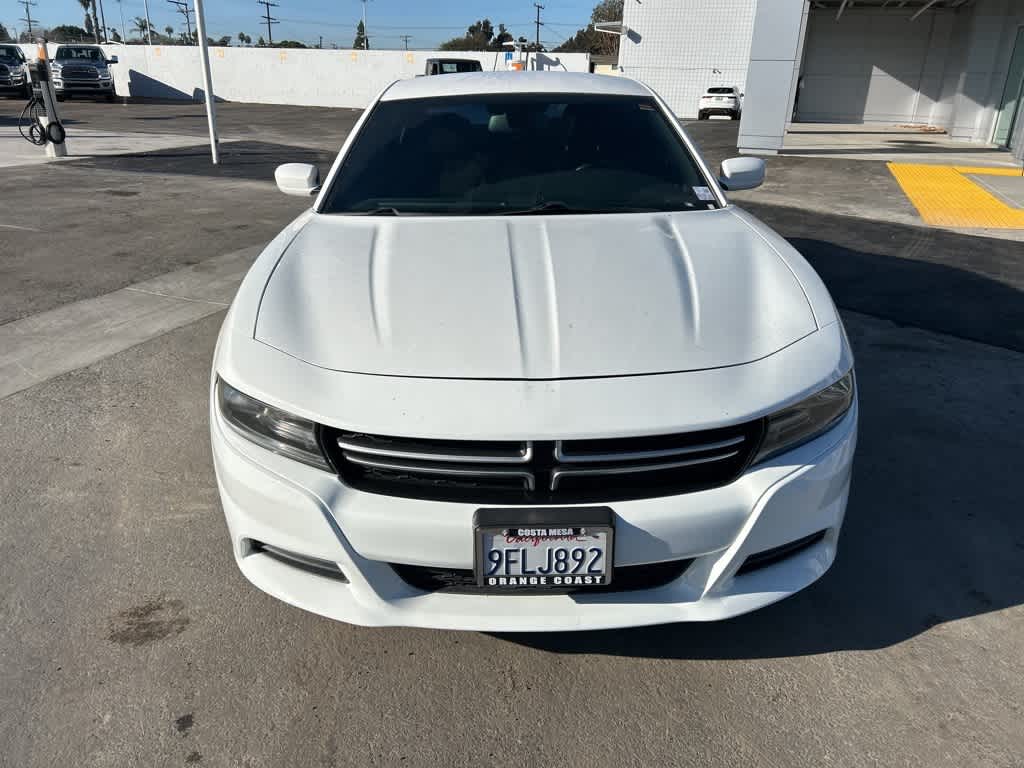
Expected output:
{"points": [[953, 64]]}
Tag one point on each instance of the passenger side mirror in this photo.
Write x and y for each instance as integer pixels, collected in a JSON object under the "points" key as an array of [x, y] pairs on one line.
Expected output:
{"points": [[741, 173], [299, 179], [112, 60]]}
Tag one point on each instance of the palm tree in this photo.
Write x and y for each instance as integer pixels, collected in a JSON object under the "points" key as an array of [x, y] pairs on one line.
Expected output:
{"points": [[89, 6], [169, 31], [143, 27]]}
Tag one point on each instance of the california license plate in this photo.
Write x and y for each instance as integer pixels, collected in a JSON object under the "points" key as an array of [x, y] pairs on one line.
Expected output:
{"points": [[559, 548]]}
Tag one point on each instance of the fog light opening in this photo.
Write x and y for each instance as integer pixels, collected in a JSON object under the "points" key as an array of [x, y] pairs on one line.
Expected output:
{"points": [[315, 565], [776, 554]]}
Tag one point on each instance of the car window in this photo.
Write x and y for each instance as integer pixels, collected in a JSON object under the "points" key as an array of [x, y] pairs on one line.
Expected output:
{"points": [[494, 154], [80, 54], [720, 90], [11, 52]]}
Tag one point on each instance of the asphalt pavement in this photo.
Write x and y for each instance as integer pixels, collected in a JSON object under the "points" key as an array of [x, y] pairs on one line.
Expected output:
{"points": [[128, 637]]}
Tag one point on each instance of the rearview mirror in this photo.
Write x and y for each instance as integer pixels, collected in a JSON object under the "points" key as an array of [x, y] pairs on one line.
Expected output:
{"points": [[300, 179], [741, 173]]}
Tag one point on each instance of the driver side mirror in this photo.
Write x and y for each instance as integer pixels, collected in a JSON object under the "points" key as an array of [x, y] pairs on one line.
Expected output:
{"points": [[112, 60], [741, 173], [299, 179]]}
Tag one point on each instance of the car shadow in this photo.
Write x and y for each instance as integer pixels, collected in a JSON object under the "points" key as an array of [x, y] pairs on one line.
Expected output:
{"points": [[933, 529], [252, 160]]}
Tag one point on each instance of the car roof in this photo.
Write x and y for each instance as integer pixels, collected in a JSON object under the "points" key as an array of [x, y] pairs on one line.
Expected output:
{"points": [[472, 83]]}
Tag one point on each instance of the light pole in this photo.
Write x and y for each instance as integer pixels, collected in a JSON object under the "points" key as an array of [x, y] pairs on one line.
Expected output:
{"points": [[204, 61], [124, 35]]}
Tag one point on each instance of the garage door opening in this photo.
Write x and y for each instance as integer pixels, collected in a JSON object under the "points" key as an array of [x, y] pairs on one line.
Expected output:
{"points": [[909, 77]]}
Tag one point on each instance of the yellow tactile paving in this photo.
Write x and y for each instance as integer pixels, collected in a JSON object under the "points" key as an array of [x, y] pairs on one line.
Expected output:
{"points": [[945, 197]]}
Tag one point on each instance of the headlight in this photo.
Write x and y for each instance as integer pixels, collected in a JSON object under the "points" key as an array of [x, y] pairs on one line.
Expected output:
{"points": [[270, 427], [104, 74], [806, 420]]}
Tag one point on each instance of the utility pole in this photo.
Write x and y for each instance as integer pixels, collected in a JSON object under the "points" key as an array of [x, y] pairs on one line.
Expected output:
{"points": [[268, 20], [406, 39], [28, 14], [184, 10], [539, 23]]}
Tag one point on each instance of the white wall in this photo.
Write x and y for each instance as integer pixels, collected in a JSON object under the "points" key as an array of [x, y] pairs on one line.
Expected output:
{"points": [[309, 77], [676, 46]]}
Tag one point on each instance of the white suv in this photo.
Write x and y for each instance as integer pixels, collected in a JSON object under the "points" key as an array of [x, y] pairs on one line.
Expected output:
{"points": [[720, 100]]}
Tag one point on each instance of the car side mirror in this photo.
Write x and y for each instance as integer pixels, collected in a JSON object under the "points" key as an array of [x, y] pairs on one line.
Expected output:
{"points": [[741, 173], [112, 60], [299, 179]]}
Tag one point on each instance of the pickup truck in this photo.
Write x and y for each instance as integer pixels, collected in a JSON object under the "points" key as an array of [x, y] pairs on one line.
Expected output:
{"points": [[82, 70], [451, 66], [14, 77]]}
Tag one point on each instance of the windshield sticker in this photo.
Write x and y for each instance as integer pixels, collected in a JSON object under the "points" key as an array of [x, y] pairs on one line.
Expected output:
{"points": [[703, 193]]}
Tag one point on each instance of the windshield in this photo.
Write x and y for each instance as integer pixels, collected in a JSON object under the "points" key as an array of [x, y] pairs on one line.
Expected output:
{"points": [[79, 54], [521, 153], [720, 90], [10, 52], [451, 67]]}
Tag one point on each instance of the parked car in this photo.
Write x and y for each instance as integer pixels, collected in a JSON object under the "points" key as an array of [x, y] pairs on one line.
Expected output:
{"points": [[721, 100], [504, 376], [14, 76], [82, 70], [451, 66]]}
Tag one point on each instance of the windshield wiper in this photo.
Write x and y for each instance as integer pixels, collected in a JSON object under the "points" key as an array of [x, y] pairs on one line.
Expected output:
{"points": [[550, 206], [384, 210]]}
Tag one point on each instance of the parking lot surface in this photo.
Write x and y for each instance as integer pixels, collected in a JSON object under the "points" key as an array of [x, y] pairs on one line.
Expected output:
{"points": [[128, 637]]}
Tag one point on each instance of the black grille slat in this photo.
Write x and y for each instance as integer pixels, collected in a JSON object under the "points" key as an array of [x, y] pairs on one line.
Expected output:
{"points": [[542, 472], [628, 578]]}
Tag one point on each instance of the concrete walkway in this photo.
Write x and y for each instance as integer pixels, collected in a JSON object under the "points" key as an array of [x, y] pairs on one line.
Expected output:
{"points": [[890, 143], [14, 150]]}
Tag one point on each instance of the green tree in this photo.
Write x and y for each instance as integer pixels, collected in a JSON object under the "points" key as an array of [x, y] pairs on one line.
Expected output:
{"points": [[291, 44], [5, 36], [115, 35], [169, 31], [503, 36], [591, 41], [68, 33], [261, 43], [361, 42], [244, 39], [477, 38], [142, 26]]}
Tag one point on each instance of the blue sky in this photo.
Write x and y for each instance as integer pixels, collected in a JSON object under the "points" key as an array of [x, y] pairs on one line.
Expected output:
{"points": [[428, 22]]}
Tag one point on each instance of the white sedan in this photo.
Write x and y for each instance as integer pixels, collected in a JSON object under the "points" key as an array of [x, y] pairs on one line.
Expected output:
{"points": [[522, 366]]}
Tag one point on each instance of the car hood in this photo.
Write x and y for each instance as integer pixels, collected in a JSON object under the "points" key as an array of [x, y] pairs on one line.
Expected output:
{"points": [[544, 297]]}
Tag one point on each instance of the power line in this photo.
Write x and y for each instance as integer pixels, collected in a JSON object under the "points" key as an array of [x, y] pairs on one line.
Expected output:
{"points": [[182, 7], [268, 19], [539, 23], [28, 14]]}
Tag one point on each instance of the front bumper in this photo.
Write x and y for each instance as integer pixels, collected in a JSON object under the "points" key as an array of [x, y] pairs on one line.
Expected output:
{"points": [[83, 86], [285, 504]]}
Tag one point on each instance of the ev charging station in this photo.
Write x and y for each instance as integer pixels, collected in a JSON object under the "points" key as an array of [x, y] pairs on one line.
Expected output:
{"points": [[45, 128]]}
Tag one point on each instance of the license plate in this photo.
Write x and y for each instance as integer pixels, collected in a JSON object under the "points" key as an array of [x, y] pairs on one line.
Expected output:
{"points": [[544, 548]]}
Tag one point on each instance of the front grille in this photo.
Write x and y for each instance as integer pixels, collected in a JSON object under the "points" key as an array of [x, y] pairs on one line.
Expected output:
{"points": [[626, 578], [4, 71], [542, 472], [79, 73]]}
